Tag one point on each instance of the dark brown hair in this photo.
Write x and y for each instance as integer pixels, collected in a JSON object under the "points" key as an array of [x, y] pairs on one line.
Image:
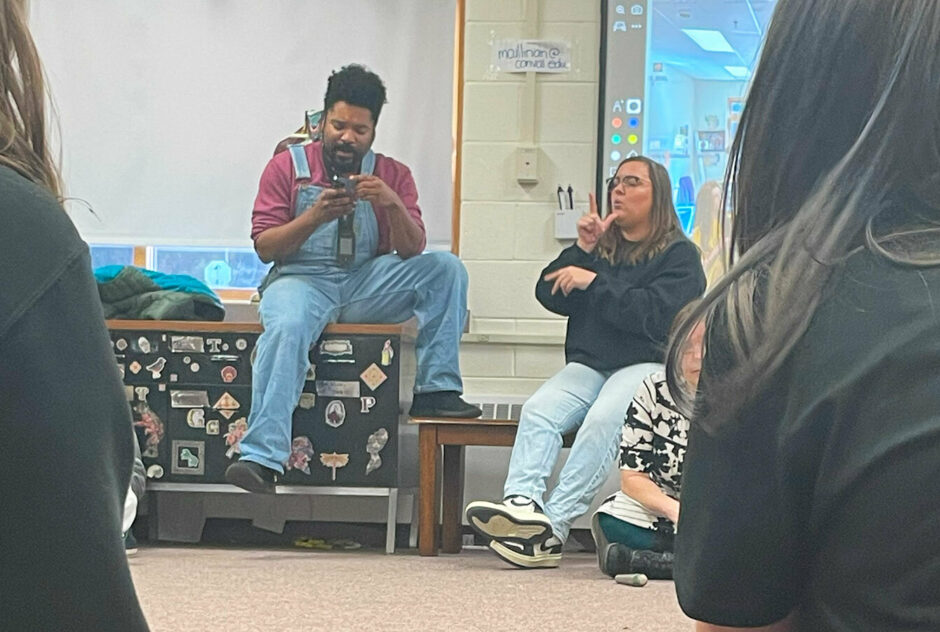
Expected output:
{"points": [[838, 143], [664, 224]]}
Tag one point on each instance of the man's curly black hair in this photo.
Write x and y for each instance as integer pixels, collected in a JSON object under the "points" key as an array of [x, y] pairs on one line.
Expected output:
{"points": [[357, 86]]}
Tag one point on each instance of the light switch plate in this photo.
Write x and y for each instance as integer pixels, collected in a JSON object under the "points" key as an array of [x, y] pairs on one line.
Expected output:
{"points": [[527, 164]]}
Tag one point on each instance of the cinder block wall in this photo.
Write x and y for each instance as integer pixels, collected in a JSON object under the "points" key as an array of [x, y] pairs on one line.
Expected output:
{"points": [[506, 228]]}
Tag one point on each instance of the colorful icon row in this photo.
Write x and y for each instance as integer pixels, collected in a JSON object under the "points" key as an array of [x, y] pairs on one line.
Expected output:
{"points": [[617, 122], [616, 139]]}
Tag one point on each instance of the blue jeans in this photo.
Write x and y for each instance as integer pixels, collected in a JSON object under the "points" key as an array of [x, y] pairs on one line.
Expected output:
{"points": [[296, 308], [576, 398]]}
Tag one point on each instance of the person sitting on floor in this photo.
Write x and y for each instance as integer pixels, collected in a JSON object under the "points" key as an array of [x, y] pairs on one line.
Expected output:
{"points": [[634, 528], [620, 285]]}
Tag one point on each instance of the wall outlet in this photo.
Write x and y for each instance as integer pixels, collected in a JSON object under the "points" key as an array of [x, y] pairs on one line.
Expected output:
{"points": [[527, 164]]}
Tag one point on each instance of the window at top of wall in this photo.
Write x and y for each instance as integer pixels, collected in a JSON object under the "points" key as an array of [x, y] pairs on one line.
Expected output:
{"points": [[110, 254], [229, 268]]}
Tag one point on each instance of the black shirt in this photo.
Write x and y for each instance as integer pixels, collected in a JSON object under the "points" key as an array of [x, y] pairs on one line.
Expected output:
{"points": [[824, 495], [624, 316], [65, 427]]}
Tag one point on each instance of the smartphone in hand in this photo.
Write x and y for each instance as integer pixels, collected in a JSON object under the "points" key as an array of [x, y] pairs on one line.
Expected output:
{"points": [[344, 182]]}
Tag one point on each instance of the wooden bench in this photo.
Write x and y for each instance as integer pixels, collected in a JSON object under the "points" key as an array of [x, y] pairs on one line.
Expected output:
{"points": [[441, 444]]}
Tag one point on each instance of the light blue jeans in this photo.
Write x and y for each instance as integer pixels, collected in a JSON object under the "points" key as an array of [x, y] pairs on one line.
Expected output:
{"points": [[576, 398], [296, 308]]}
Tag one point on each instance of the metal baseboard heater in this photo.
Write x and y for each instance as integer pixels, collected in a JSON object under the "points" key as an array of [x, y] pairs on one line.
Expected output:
{"points": [[498, 406]]}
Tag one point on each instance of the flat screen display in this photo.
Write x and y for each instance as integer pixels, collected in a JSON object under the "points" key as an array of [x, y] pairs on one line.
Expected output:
{"points": [[674, 74]]}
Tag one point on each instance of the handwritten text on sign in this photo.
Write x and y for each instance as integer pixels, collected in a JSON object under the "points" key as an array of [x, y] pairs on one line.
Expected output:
{"points": [[531, 56]]}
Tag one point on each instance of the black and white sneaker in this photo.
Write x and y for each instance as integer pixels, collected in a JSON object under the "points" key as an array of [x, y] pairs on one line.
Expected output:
{"points": [[517, 518], [545, 554]]}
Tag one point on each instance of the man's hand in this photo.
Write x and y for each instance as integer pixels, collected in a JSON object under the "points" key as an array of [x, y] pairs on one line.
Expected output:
{"points": [[374, 189], [278, 242], [406, 236], [570, 278], [591, 227], [331, 204]]}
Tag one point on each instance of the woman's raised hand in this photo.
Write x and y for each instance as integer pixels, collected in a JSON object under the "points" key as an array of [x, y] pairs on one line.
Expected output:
{"points": [[591, 226]]}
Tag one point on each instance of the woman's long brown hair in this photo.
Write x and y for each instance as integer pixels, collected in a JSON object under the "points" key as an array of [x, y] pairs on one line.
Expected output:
{"points": [[23, 144]]}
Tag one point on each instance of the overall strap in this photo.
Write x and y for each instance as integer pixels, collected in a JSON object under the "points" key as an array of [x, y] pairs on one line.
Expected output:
{"points": [[299, 159], [368, 163]]}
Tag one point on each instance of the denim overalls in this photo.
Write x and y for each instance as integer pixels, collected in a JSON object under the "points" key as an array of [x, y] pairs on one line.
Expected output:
{"points": [[309, 290], [318, 254]]}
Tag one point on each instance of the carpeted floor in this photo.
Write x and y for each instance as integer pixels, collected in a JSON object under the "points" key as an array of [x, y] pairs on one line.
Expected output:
{"points": [[208, 588]]}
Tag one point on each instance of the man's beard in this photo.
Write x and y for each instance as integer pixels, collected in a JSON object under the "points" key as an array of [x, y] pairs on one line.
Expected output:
{"points": [[343, 165]]}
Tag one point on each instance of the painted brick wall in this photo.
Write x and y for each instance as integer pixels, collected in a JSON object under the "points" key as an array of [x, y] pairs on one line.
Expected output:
{"points": [[506, 228]]}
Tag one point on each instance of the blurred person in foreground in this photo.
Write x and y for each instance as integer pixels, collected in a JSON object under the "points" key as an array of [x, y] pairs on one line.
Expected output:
{"points": [[64, 420], [809, 495]]}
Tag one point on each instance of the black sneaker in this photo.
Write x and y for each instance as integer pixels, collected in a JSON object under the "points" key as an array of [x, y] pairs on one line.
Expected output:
{"points": [[620, 559], [652, 564], [130, 543], [251, 476], [516, 518], [545, 554], [442, 404]]}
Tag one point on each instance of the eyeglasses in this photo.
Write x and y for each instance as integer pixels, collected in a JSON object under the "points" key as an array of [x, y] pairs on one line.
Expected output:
{"points": [[630, 181]]}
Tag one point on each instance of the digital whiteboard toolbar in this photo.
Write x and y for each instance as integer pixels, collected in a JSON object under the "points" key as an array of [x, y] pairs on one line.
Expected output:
{"points": [[622, 102]]}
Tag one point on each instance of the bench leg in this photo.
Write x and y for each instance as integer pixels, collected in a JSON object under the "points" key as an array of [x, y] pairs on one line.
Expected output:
{"points": [[391, 521], [453, 474], [429, 497], [413, 529]]}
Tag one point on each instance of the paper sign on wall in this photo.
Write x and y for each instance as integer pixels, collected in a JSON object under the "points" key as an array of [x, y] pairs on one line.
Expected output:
{"points": [[531, 56]]}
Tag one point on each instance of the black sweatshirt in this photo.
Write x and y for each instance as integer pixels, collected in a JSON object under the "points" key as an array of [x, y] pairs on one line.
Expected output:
{"points": [[66, 428], [821, 494], [624, 315]]}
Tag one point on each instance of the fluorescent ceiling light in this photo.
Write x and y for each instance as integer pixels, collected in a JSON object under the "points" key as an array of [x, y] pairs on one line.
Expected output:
{"points": [[738, 71], [710, 40]]}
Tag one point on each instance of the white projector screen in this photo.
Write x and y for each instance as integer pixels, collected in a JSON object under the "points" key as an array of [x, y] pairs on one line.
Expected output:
{"points": [[170, 110]]}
